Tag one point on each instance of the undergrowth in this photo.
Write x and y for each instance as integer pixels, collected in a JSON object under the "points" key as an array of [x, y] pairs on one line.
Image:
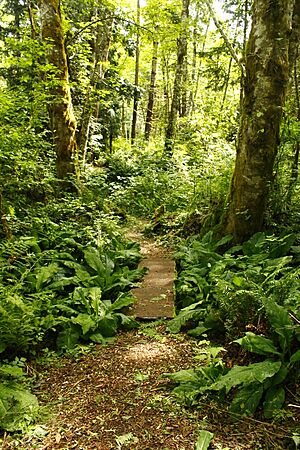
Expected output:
{"points": [[248, 295]]}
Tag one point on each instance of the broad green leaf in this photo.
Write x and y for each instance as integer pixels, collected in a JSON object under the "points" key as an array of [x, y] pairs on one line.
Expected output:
{"points": [[198, 331], [224, 240], [257, 372], [108, 326], [204, 440], [68, 338], [45, 274], [183, 376], [82, 275], [238, 281], [189, 313], [275, 397], [11, 371], [122, 301], [97, 338], [247, 399], [96, 304], [278, 378], [257, 344], [92, 257], [63, 282], [127, 322], [280, 322], [85, 321], [18, 407], [295, 357]]}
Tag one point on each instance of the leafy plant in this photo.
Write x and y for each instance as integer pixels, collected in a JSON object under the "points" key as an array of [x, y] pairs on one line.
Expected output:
{"points": [[97, 319], [248, 287], [228, 288], [18, 407], [260, 383]]}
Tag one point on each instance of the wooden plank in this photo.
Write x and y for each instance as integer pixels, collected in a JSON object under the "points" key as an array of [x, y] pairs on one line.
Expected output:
{"points": [[155, 296]]}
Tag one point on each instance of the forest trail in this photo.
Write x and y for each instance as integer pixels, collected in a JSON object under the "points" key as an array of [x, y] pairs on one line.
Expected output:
{"points": [[115, 397], [155, 296]]}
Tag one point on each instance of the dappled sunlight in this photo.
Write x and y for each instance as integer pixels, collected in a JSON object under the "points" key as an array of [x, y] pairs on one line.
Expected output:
{"points": [[149, 350]]}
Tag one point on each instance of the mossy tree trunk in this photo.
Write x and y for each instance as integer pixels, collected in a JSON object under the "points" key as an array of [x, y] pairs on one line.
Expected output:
{"points": [[62, 118], [265, 85]]}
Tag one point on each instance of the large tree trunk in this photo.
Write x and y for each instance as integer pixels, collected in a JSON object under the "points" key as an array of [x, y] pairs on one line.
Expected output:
{"points": [[62, 119], [178, 80], [267, 75], [151, 91]]}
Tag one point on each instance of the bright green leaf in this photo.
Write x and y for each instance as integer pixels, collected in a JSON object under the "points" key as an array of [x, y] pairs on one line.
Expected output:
{"points": [[204, 440], [257, 344], [247, 399], [257, 372]]}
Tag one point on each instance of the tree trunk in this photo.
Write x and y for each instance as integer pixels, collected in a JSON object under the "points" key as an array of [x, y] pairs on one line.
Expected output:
{"points": [[196, 85], [100, 47], [62, 119], [178, 80], [267, 75], [166, 88], [32, 20], [151, 91], [295, 164], [136, 76]]}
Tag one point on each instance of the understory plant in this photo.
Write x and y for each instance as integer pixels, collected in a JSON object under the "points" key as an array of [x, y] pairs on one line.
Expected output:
{"points": [[250, 291], [64, 282], [18, 406]]}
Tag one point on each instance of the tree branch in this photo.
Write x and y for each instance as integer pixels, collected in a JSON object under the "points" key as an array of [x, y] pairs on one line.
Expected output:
{"points": [[90, 24], [225, 37]]}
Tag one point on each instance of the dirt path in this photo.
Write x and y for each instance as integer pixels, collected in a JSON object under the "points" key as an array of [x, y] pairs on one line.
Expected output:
{"points": [[155, 296], [115, 398]]}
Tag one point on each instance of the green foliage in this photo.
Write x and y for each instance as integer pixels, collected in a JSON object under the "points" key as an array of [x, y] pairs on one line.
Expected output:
{"points": [[18, 407], [229, 289], [66, 280], [255, 275]]}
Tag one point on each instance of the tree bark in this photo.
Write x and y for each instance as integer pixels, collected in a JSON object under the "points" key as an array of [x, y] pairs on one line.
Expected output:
{"points": [[295, 164], [196, 84], [150, 106], [136, 76], [100, 54], [178, 80], [267, 76], [62, 118]]}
